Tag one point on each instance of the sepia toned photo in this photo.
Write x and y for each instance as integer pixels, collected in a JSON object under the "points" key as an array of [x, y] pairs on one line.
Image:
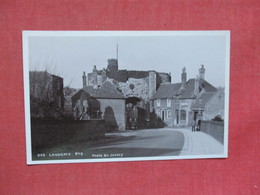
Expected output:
{"points": [[102, 96]]}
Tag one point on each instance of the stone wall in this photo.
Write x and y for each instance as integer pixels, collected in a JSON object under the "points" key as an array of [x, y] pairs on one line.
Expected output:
{"points": [[152, 84], [143, 88], [165, 77], [213, 128], [133, 87]]}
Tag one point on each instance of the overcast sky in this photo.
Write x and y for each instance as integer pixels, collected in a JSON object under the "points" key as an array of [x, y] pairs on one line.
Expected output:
{"points": [[69, 56]]}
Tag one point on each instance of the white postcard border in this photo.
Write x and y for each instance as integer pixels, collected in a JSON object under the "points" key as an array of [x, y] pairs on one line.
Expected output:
{"points": [[27, 34]]}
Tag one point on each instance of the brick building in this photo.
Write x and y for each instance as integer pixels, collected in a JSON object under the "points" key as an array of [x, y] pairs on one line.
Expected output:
{"points": [[164, 102], [180, 103]]}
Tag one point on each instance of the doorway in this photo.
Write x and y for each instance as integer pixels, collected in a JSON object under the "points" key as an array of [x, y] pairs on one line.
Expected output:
{"points": [[163, 115]]}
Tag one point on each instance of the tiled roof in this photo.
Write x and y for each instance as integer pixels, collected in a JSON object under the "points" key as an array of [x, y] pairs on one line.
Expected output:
{"points": [[207, 86], [106, 91], [167, 90], [188, 91], [202, 101]]}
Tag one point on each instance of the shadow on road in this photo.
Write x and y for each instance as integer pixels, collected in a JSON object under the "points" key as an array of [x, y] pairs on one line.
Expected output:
{"points": [[164, 143]]}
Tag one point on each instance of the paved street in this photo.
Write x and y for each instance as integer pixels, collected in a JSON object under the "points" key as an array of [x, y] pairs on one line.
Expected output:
{"points": [[141, 143], [160, 142], [155, 142]]}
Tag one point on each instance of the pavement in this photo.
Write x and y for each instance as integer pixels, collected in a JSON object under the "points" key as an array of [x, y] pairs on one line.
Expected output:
{"points": [[195, 143], [199, 143], [166, 142]]}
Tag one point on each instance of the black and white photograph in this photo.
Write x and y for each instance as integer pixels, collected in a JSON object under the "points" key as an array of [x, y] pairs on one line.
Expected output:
{"points": [[102, 96]]}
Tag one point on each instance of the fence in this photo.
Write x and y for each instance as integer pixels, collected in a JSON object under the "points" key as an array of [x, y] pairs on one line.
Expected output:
{"points": [[57, 133], [213, 128]]}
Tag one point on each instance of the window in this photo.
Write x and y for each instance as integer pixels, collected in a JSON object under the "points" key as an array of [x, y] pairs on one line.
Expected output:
{"points": [[158, 102], [158, 113], [183, 115], [152, 104], [131, 86], [169, 114], [169, 102]]}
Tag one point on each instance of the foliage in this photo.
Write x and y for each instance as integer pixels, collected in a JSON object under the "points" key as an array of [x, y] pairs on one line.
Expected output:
{"points": [[46, 95], [217, 118], [155, 121]]}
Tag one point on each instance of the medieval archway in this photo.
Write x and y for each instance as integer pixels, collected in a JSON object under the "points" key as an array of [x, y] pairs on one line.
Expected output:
{"points": [[136, 113]]}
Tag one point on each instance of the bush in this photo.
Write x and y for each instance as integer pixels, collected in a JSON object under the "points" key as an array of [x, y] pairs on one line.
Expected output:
{"points": [[217, 118], [156, 122]]}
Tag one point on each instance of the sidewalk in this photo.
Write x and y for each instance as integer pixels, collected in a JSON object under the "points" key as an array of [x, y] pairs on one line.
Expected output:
{"points": [[195, 143], [199, 143]]}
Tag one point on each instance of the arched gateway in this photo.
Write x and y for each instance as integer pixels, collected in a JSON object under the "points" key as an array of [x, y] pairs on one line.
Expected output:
{"points": [[136, 86]]}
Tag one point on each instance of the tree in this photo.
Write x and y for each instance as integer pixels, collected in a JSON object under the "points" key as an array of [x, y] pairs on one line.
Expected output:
{"points": [[46, 95], [217, 118]]}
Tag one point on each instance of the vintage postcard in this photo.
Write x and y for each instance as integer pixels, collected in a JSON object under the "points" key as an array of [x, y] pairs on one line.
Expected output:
{"points": [[102, 96]]}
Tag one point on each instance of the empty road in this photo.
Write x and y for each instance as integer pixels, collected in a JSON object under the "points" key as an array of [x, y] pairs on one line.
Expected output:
{"points": [[140, 143]]}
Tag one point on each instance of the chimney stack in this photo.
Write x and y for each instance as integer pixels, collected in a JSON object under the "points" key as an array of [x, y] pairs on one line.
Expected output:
{"points": [[196, 86], [84, 79], [202, 72], [95, 82], [183, 78]]}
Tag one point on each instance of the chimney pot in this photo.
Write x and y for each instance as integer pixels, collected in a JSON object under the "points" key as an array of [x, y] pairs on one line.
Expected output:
{"points": [[202, 72], [183, 77], [84, 79]]}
